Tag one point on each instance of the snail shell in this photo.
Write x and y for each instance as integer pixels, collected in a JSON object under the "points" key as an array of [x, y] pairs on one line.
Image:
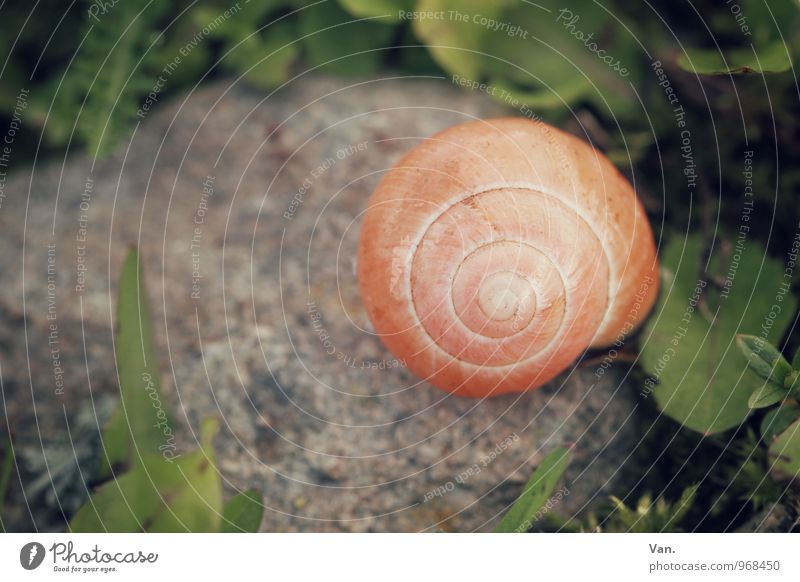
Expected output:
{"points": [[496, 252]]}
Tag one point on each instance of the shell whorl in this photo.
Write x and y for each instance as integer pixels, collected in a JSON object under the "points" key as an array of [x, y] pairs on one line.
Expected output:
{"points": [[495, 252]]}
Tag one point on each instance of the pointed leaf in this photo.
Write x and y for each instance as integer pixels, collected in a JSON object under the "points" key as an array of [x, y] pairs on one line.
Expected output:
{"points": [[143, 408], [191, 490], [243, 513], [766, 395], [159, 495], [536, 492], [764, 358], [116, 443]]}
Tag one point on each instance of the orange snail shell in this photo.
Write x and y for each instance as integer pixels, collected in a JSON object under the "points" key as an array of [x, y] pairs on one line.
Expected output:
{"points": [[495, 252]]}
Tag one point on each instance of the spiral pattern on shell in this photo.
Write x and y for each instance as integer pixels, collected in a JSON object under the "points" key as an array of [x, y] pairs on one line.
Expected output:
{"points": [[496, 252]]}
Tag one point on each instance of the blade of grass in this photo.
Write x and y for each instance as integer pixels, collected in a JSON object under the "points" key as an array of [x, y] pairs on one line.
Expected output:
{"points": [[535, 493], [142, 420]]}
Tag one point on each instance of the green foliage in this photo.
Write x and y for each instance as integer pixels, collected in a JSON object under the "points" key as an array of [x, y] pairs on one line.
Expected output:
{"points": [[243, 513], [766, 45], [117, 443], [764, 359], [340, 45], [742, 474], [264, 60], [159, 495], [535, 56], [766, 395], [781, 426], [367, 8], [162, 491], [252, 43], [701, 375], [647, 516], [778, 420], [749, 483], [785, 450], [780, 379], [141, 425], [545, 62], [536, 492], [107, 78], [774, 58], [731, 474]]}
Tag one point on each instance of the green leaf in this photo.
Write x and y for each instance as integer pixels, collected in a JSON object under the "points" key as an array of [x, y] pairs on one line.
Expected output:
{"points": [[181, 43], [253, 45], [764, 358], [766, 361], [785, 453], [765, 36], [342, 45], [535, 53], [266, 58], [159, 495], [766, 21], [365, 8], [572, 89], [778, 420], [116, 442], [792, 382], [536, 492], [243, 513], [773, 58], [796, 360], [249, 17], [143, 414], [699, 377], [454, 44], [766, 395], [415, 59]]}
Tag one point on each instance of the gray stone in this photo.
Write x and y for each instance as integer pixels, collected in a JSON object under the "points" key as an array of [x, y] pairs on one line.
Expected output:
{"points": [[315, 412]]}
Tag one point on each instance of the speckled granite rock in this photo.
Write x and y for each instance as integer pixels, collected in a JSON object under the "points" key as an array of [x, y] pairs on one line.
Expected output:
{"points": [[247, 213]]}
